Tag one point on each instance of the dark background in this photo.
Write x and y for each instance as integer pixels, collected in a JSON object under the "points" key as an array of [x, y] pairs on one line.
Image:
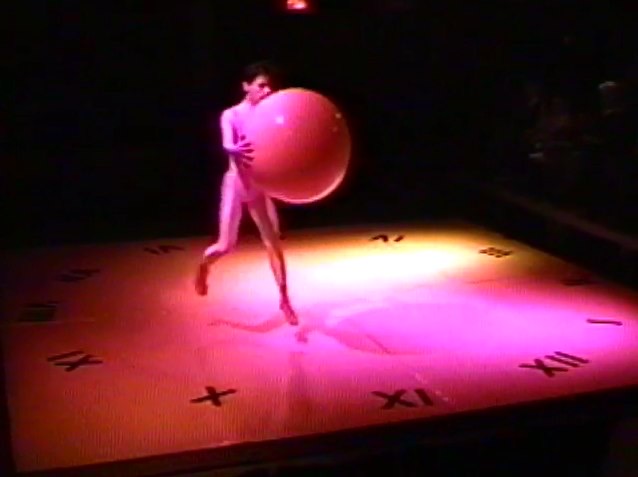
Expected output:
{"points": [[107, 109], [107, 117]]}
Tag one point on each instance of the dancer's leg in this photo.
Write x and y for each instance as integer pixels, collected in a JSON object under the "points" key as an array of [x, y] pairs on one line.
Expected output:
{"points": [[259, 210], [273, 216], [229, 218]]}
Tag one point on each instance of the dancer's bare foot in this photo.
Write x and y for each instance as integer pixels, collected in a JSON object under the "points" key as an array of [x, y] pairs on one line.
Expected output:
{"points": [[291, 316], [201, 286]]}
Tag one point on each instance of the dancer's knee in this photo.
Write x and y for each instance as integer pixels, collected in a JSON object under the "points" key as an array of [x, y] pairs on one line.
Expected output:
{"points": [[270, 241], [273, 247]]}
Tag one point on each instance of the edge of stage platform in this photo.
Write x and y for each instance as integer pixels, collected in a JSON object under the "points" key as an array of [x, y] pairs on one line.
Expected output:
{"points": [[608, 406], [625, 241], [559, 231]]}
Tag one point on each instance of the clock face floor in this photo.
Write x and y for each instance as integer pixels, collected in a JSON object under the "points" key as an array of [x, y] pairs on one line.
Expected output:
{"points": [[111, 356]]}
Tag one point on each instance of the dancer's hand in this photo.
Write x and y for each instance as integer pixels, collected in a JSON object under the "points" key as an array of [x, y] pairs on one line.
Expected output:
{"points": [[242, 152]]}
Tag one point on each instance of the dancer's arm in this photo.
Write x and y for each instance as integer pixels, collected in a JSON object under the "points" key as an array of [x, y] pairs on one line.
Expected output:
{"points": [[240, 152]]}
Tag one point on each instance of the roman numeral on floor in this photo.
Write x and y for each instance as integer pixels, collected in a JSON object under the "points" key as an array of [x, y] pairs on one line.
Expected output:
{"points": [[567, 361], [213, 396], [163, 249], [593, 321], [385, 238], [74, 360], [397, 399], [77, 275], [495, 252]]}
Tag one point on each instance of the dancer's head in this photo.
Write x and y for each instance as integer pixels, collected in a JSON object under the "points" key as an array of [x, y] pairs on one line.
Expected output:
{"points": [[259, 80]]}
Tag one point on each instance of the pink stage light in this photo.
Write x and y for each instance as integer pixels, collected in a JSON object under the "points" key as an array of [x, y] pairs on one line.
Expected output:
{"points": [[297, 5]]}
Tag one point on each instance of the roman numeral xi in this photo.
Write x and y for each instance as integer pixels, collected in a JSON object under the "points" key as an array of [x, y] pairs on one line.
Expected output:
{"points": [[397, 399]]}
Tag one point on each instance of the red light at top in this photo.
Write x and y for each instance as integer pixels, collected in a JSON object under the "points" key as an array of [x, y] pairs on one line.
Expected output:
{"points": [[297, 5]]}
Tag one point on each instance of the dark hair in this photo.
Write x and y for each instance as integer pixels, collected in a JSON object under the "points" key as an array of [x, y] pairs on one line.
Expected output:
{"points": [[265, 68]]}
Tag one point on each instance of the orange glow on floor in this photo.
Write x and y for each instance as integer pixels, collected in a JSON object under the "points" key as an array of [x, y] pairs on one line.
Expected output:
{"points": [[457, 316]]}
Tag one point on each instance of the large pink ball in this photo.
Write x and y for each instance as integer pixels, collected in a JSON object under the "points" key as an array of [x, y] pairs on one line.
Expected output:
{"points": [[301, 145]]}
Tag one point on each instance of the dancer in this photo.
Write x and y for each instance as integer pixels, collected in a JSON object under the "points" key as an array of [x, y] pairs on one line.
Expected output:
{"points": [[238, 189]]}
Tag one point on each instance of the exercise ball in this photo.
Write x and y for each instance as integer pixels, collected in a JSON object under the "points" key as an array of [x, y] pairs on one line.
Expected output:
{"points": [[301, 144]]}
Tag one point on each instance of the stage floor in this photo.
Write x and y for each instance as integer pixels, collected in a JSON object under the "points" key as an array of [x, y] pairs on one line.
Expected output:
{"points": [[110, 355]]}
